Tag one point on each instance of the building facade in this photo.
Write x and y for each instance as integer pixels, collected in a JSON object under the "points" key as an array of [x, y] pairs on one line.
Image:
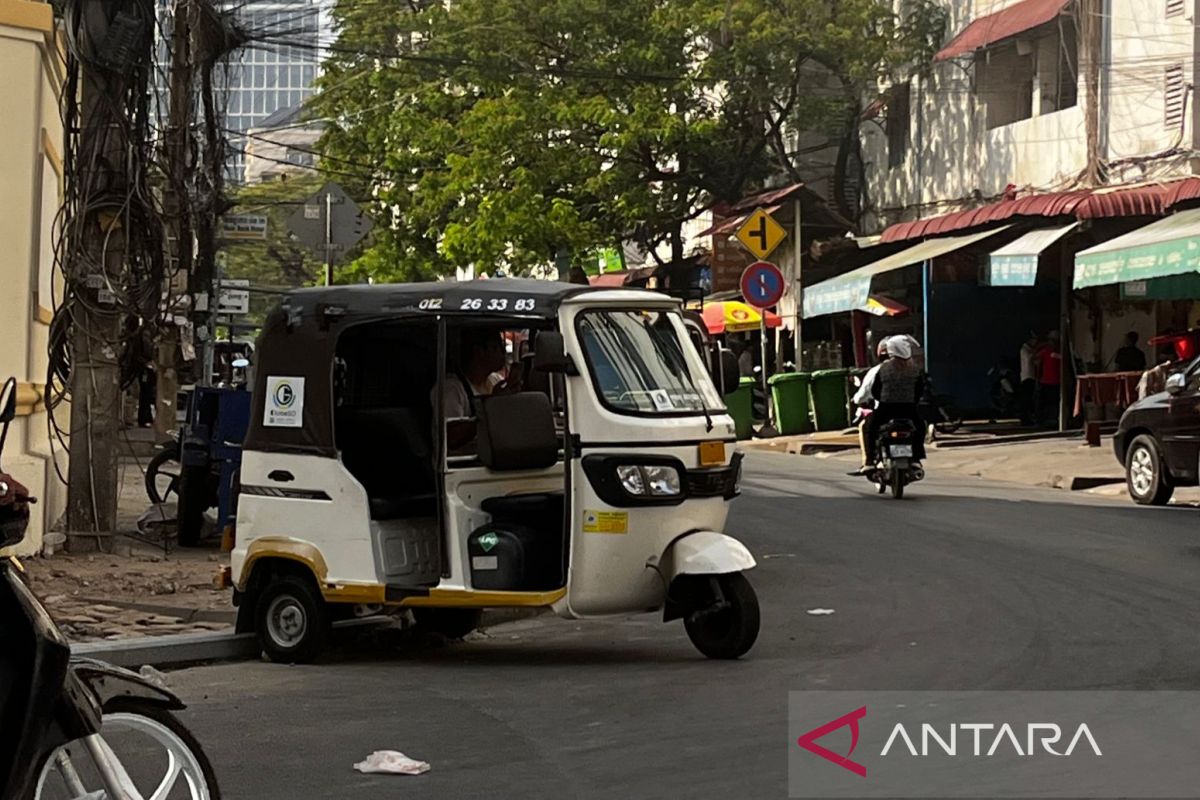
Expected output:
{"points": [[285, 143], [1004, 107], [31, 59]]}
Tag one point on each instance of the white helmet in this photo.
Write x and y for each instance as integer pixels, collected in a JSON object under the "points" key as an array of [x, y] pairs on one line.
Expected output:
{"points": [[898, 347]]}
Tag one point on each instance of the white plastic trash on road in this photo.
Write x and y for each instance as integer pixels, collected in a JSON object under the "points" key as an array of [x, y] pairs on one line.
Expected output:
{"points": [[820, 612], [391, 762]]}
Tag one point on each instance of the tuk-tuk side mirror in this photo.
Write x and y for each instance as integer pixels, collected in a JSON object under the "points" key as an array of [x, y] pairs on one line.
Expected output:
{"points": [[1176, 383], [728, 376], [550, 354]]}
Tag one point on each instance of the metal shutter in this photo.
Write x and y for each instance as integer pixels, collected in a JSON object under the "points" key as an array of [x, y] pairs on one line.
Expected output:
{"points": [[1174, 94]]}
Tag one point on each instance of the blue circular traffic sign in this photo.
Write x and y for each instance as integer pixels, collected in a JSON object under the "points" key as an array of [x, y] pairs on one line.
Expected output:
{"points": [[762, 284]]}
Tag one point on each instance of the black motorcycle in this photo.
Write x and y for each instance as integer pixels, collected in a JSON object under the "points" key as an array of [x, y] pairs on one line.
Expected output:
{"points": [[78, 728], [895, 463]]}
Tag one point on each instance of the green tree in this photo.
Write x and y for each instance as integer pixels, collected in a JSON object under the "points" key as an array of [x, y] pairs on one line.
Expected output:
{"points": [[500, 132], [276, 261]]}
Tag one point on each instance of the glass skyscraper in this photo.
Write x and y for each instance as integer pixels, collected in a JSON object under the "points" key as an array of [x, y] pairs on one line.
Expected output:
{"points": [[274, 72]]}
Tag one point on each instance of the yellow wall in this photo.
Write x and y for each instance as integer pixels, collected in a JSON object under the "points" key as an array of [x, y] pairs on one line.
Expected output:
{"points": [[30, 163]]}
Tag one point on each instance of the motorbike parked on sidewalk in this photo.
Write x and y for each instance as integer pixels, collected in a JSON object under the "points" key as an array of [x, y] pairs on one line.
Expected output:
{"points": [[895, 465], [72, 727]]}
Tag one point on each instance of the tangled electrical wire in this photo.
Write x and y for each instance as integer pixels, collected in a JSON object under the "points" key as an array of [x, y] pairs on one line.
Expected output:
{"points": [[108, 234]]}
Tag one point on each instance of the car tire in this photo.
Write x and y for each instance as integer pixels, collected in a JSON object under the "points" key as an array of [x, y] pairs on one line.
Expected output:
{"points": [[1145, 473]]}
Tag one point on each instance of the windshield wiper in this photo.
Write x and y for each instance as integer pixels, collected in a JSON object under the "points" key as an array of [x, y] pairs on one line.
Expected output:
{"points": [[669, 357]]}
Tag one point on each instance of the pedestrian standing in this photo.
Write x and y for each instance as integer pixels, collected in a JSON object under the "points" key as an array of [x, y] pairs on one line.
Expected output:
{"points": [[1049, 369], [1028, 388], [1130, 357]]}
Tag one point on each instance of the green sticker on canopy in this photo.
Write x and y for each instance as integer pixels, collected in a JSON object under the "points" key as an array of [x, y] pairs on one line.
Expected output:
{"points": [[488, 540]]}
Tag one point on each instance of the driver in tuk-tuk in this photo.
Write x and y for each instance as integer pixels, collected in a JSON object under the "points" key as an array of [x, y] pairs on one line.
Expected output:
{"points": [[480, 370]]}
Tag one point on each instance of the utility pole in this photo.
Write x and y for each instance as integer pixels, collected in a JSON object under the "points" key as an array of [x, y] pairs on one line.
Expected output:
{"points": [[328, 239], [1093, 52], [97, 323], [176, 202]]}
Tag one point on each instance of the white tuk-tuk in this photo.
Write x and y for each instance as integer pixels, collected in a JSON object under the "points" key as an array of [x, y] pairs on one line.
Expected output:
{"points": [[394, 459]]}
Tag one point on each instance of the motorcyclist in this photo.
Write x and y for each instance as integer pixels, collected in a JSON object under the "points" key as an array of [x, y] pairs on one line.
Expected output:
{"points": [[862, 400], [896, 388]]}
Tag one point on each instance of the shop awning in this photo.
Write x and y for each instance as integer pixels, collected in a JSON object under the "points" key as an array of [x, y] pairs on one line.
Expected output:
{"points": [[1015, 19], [1170, 246], [852, 290], [1016, 263]]}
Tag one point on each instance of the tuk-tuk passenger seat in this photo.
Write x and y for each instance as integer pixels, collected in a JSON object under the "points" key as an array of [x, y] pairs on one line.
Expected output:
{"points": [[389, 451]]}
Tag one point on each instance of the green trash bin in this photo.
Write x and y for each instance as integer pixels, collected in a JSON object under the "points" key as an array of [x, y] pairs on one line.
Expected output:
{"points": [[741, 407], [789, 393], [829, 399]]}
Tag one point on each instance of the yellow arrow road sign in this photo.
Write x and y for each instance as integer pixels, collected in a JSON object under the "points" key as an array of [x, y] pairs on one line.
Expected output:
{"points": [[761, 234]]}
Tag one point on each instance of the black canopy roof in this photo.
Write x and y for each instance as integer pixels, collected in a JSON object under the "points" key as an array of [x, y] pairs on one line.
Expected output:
{"points": [[299, 339], [496, 295]]}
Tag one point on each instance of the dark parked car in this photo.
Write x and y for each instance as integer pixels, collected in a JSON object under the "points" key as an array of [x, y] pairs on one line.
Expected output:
{"points": [[1158, 439]]}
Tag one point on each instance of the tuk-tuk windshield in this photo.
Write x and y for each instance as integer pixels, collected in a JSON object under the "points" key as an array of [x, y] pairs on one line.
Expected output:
{"points": [[643, 362]]}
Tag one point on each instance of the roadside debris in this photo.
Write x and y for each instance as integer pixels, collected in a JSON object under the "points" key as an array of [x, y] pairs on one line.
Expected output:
{"points": [[154, 676], [820, 612], [391, 762]]}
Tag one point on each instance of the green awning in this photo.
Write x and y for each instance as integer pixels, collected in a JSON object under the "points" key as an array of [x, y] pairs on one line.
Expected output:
{"points": [[1172, 287], [853, 289], [1016, 263], [1170, 246]]}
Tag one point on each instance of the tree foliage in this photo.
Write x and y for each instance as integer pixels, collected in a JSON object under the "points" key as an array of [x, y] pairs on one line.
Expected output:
{"points": [[277, 261], [497, 133]]}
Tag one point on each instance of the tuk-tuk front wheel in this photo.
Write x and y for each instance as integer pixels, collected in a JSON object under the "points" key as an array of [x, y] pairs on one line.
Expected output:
{"points": [[291, 620], [728, 627]]}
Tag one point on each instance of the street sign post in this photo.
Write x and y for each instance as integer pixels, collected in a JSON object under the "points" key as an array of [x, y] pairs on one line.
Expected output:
{"points": [[762, 284], [330, 223], [761, 234], [233, 296], [243, 227]]}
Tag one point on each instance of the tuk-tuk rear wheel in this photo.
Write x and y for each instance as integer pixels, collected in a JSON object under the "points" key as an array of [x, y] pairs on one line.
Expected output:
{"points": [[292, 620], [730, 629]]}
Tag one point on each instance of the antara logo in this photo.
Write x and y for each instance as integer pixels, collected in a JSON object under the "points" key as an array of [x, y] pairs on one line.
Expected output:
{"points": [[809, 741], [1047, 734], [980, 739]]}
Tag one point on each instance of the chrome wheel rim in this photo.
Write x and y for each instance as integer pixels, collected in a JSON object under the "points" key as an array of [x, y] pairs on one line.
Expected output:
{"points": [[286, 621], [183, 776], [1141, 471]]}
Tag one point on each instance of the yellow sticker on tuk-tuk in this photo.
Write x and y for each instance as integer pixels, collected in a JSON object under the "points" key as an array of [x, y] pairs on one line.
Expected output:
{"points": [[712, 454], [605, 521]]}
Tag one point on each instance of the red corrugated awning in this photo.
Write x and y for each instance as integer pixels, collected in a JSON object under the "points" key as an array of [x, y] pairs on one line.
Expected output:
{"points": [[1140, 200], [1010, 21]]}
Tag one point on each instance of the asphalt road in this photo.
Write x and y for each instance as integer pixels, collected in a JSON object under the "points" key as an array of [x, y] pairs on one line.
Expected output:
{"points": [[962, 585]]}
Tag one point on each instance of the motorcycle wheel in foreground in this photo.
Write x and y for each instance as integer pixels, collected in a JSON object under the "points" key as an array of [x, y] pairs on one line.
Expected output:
{"points": [[74, 728], [895, 466]]}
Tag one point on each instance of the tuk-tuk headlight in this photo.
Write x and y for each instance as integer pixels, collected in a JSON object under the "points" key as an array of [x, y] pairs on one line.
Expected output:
{"points": [[649, 481], [662, 480], [631, 479]]}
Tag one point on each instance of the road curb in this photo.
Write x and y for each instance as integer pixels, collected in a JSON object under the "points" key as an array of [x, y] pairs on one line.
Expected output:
{"points": [[177, 649]]}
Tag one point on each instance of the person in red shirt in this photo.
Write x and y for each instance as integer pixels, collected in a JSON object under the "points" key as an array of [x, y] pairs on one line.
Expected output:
{"points": [[1049, 369]]}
